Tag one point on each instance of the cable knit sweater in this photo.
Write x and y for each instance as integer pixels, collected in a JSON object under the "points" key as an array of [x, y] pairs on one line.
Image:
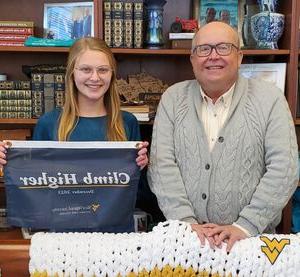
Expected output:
{"points": [[249, 175]]}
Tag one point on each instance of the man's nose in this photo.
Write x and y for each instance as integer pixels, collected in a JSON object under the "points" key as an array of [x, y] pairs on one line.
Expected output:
{"points": [[214, 54]]}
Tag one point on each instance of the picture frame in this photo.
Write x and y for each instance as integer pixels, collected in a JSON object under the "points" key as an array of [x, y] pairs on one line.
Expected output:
{"points": [[298, 103], [270, 72], [219, 10], [71, 20]]}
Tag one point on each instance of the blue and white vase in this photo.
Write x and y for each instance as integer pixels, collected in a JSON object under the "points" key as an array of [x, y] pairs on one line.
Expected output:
{"points": [[267, 28], [268, 5]]}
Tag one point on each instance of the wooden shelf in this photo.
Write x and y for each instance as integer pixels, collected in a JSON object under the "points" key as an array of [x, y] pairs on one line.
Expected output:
{"points": [[11, 123], [297, 121], [255, 52], [144, 51], [30, 122], [33, 49], [14, 258], [12, 236]]}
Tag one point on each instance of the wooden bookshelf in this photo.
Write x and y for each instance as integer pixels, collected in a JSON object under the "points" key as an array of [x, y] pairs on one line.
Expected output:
{"points": [[170, 65], [14, 259]]}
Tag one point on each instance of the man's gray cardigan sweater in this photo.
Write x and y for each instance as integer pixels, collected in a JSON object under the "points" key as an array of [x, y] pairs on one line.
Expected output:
{"points": [[249, 175]]}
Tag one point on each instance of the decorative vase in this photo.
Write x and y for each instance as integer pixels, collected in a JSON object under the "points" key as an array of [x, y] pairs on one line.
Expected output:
{"points": [[154, 33], [268, 5], [251, 8], [267, 28]]}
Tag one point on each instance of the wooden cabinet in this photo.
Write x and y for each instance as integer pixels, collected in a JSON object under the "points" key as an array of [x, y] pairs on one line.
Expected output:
{"points": [[170, 65], [14, 254]]}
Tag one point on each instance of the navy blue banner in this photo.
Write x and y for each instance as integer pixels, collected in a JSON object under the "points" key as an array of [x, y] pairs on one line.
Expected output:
{"points": [[72, 186]]}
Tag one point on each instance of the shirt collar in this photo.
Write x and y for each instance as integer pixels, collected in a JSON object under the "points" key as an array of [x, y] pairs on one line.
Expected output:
{"points": [[225, 98]]}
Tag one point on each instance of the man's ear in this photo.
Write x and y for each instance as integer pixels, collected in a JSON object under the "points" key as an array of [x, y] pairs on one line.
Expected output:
{"points": [[240, 57]]}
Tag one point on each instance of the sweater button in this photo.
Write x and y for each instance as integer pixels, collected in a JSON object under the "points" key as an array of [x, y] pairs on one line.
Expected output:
{"points": [[221, 139], [203, 196], [207, 166]]}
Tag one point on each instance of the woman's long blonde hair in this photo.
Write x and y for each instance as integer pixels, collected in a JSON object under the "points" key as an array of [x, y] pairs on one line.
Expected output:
{"points": [[70, 114]]}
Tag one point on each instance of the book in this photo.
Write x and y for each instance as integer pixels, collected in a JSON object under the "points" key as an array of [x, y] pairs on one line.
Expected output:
{"points": [[16, 30], [117, 23], [15, 108], [17, 84], [5, 23], [181, 44], [48, 87], [37, 83], [107, 22], [15, 94], [15, 102], [128, 24], [3, 219], [181, 35], [136, 108], [138, 21], [11, 43], [144, 116], [150, 98], [59, 89], [15, 114], [13, 37], [141, 118]]}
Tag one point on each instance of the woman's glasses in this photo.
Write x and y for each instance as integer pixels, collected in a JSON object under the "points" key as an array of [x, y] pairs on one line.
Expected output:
{"points": [[88, 70]]}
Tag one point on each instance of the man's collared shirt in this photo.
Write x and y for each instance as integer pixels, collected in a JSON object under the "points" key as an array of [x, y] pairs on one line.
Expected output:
{"points": [[213, 115]]}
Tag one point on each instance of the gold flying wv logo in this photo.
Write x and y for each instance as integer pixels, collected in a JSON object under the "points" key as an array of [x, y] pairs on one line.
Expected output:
{"points": [[95, 207], [273, 248]]}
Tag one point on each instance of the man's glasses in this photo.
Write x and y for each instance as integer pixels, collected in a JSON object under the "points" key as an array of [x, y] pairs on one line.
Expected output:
{"points": [[222, 49], [88, 70]]}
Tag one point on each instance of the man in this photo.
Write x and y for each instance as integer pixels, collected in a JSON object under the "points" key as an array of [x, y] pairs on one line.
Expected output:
{"points": [[87, 23], [224, 151], [210, 16], [224, 16]]}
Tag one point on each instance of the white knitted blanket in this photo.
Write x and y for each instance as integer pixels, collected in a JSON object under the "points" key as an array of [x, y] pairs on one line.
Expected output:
{"points": [[171, 249]]}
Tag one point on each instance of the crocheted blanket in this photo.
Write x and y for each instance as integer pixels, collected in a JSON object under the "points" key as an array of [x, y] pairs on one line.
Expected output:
{"points": [[171, 249]]}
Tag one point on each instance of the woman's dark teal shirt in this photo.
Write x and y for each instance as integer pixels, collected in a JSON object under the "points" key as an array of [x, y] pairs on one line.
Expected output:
{"points": [[87, 128]]}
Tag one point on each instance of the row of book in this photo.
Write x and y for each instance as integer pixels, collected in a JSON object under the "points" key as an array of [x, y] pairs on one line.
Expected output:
{"points": [[14, 33], [48, 91], [123, 23], [181, 40], [30, 99], [142, 113], [15, 99], [45, 91]]}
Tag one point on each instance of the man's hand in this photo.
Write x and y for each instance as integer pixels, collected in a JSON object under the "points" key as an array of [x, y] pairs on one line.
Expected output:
{"points": [[224, 233], [203, 230]]}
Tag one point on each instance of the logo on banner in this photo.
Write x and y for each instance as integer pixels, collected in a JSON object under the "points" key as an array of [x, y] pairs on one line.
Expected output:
{"points": [[273, 248], [95, 207]]}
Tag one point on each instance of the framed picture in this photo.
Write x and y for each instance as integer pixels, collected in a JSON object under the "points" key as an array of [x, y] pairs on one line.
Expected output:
{"points": [[271, 72], [298, 104], [219, 10], [68, 20]]}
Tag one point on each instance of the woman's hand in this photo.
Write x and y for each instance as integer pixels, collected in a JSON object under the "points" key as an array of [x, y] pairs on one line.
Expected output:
{"points": [[3, 150], [142, 159]]}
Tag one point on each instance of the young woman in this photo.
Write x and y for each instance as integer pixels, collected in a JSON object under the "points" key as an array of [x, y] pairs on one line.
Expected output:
{"points": [[92, 106]]}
